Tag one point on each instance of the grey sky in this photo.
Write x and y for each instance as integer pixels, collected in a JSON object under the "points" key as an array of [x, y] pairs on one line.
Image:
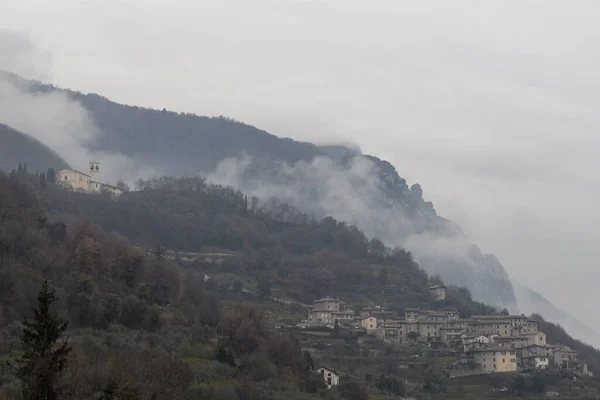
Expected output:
{"points": [[490, 106]]}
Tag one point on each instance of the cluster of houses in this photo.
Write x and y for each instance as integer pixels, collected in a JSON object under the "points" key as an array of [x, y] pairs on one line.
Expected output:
{"points": [[490, 343]]}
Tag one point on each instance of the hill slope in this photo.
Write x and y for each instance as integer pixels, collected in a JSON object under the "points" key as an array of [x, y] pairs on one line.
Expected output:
{"points": [[329, 180], [16, 147]]}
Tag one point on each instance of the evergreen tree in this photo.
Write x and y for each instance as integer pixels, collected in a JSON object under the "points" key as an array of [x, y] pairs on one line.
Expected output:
{"points": [[45, 355], [51, 175], [336, 328], [43, 180]]}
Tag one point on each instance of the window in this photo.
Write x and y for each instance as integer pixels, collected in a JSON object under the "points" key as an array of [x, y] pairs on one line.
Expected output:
{"points": [[494, 366], [66, 178], [503, 360]]}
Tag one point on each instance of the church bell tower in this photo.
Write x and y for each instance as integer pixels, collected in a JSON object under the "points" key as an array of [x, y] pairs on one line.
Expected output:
{"points": [[95, 171]]}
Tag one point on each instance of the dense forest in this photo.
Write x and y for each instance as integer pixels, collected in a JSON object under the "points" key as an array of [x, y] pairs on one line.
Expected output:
{"points": [[299, 257], [183, 144], [133, 319], [142, 326], [137, 320]]}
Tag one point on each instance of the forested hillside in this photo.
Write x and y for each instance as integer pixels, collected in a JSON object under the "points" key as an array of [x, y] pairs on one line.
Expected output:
{"points": [[335, 181], [17, 147], [139, 329], [142, 327], [297, 256], [302, 174]]}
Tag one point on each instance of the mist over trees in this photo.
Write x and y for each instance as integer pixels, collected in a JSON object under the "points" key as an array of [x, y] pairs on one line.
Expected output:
{"points": [[142, 325]]}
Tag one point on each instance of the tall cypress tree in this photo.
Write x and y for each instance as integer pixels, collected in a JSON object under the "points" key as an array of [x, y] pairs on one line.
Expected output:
{"points": [[45, 355], [51, 175]]}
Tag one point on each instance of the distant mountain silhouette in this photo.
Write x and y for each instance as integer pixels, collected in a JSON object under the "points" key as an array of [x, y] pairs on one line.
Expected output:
{"points": [[17, 147]]}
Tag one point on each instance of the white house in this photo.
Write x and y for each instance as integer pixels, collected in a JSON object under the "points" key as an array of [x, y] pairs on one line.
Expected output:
{"points": [[86, 182], [438, 292], [330, 376]]}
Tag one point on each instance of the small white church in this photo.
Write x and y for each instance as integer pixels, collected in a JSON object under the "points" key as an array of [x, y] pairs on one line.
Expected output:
{"points": [[86, 183]]}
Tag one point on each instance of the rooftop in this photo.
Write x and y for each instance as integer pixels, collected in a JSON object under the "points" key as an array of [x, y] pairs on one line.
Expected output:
{"points": [[496, 316], [490, 349]]}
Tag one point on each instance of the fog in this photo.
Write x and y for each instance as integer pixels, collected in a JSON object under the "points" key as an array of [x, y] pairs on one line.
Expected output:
{"points": [[53, 118], [490, 106]]}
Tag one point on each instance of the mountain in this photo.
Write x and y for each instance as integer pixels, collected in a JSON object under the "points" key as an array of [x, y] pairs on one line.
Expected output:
{"points": [[336, 180], [16, 147], [531, 302]]}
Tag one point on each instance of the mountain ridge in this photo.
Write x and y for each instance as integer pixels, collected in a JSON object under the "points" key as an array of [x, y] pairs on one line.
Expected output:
{"points": [[263, 164], [14, 144]]}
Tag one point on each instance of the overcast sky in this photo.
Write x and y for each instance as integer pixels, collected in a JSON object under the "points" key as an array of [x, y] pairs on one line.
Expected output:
{"points": [[491, 106]]}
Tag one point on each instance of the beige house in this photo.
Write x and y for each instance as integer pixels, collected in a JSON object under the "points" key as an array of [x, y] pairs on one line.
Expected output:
{"points": [[368, 323], [416, 314], [376, 310], [451, 334], [518, 323], [86, 182], [513, 342], [536, 338], [472, 342], [344, 317], [430, 328], [492, 360], [489, 327], [438, 292], [394, 331], [564, 357], [326, 311]]}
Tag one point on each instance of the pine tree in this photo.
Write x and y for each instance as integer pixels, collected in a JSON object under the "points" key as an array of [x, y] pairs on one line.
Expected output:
{"points": [[51, 175], [336, 328], [45, 355]]}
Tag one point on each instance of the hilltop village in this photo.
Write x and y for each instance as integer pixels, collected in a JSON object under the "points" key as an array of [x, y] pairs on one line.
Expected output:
{"points": [[482, 344]]}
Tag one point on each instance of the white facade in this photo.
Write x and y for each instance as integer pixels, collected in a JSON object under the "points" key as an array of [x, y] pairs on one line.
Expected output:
{"points": [[86, 183], [330, 377], [438, 292]]}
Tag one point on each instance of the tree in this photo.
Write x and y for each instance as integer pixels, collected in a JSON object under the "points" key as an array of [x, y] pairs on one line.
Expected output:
{"points": [[45, 355], [51, 175], [336, 328], [433, 381], [391, 384], [518, 385], [352, 389]]}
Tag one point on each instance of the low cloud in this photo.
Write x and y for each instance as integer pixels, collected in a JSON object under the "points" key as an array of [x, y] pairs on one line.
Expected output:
{"points": [[380, 203], [52, 117]]}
